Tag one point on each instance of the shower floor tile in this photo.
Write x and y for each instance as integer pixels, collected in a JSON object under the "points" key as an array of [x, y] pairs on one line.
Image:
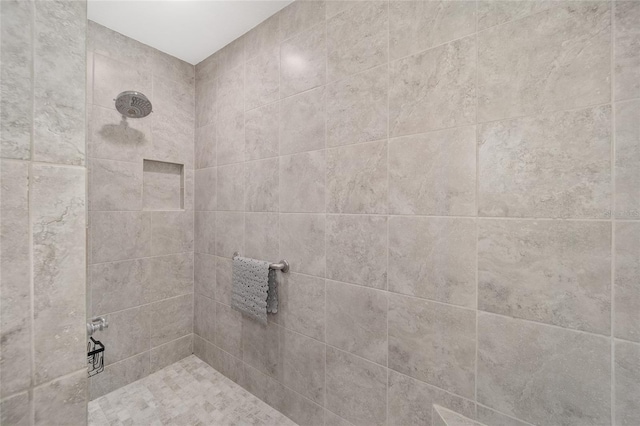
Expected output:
{"points": [[186, 393]]}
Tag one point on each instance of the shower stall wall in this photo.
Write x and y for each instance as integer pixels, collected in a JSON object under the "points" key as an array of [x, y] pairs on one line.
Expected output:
{"points": [[43, 374], [140, 208]]}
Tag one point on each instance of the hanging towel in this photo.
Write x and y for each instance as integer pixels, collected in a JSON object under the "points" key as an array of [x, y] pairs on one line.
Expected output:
{"points": [[255, 288]]}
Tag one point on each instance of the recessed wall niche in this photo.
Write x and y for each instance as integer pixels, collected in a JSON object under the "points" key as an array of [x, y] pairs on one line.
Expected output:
{"points": [[163, 186]]}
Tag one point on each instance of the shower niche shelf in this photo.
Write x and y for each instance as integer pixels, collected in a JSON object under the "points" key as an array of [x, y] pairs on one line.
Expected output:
{"points": [[162, 185]]}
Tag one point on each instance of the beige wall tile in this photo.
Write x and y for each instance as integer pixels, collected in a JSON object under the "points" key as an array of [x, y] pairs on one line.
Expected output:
{"points": [[302, 60], [232, 55], [224, 267], [301, 305], [59, 64], [127, 335], [357, 39], [434, 89], [163, 185], [495, 12], [556, 272], [204, 226], [627, 57], [356, 249], [302, 242], [491, 417], [433, 342], [356, 319], [261, 185], [16, 410], [119, 235], [115, 185], [171, 319], [261, 132], [536, 166], [356, 389], [303, 365], [300, 15], [302, 182], [411, 401], [433, 173], [357, 108], [626, 291], [298, 408], [112, 138], [302, 122], [206, 101], [261, 235], [543, 374], [119, 374], [204, 275], [117, 285], [204, 324], [171, 232], [230, 187], [229, 330], [260, 345], [415, 26], [357, 178], [627, 376], [627, 160], [205, 146], [63, 401], [433, 258], [230, 117], [263, 37], [205, 189], [169, 276], [57, 214], [554, 60], [169, 353], [229, 233], [262, 75], [16, 46]]}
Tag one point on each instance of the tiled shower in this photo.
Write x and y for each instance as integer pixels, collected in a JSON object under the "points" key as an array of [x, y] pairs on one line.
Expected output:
{"points": [[455, 185]]}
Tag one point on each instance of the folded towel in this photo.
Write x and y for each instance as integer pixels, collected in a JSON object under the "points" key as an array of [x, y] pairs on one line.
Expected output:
{"points": [[255, 288]]}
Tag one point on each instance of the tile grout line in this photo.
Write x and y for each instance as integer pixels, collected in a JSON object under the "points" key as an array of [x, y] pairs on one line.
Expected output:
{"points": [[32, 404], [477, 205], [613, 213]]}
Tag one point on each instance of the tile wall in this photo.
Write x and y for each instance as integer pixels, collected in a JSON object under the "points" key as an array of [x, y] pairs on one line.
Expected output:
{"points": [[43, 378], [457, 188], [140, 208]]}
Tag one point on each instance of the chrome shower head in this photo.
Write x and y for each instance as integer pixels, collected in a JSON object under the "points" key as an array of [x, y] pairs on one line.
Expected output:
{"points": [[133, 104]]}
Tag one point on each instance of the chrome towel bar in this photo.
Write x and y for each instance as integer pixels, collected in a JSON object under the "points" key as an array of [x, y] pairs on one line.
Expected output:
{"points": [[283, 265]]}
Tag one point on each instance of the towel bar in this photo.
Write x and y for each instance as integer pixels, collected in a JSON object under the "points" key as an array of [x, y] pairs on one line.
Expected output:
{"points": [[283, 265]]}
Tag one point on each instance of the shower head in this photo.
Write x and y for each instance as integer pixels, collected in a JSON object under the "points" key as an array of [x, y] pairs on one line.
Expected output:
{"points": [[133, 104]]}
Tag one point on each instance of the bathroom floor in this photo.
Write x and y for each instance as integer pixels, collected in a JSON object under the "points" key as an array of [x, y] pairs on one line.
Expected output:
{"points": [[186, 393]]}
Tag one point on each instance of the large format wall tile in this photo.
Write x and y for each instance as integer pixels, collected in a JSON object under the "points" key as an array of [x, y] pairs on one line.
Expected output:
{"points": [[205, 189], [15, 79], [261, 185], [301, 305], [627, 290], [300, 15], [357, 39], [417, 25], [260, 344], [302, 61], [262, 38], [118, 375], [357, 178], [205, 147], [411, 401], [433, 173], [230, 117], [169, 276], [495, 12], [627, 161], [627, 56], [434, 258], [356, 389], [356, 320], [115, 185], [230, 187], [302, 122], [114, 139], [627, 376], [229, 233], [302, 242], [59, 73], [16, 410], [169, 353], [261, 132], [204, 324], [434, 89], [303, 365], [543, 374], [262, 240], [434, 343], [204, 226], [556, 272], [120, 236], [356, 249], [171, 232], [554, 60], [127, 335], [357, 108], [552, 165], [59, 269], [15, 277], [262, 75], [170, 319], [302, 182], [63, 401]]}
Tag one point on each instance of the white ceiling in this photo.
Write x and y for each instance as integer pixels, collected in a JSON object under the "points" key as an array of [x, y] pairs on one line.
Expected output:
{"points": [[187, 29]]}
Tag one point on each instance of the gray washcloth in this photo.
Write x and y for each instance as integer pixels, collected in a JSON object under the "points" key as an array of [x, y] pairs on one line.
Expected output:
{"points": [[255, 288]]}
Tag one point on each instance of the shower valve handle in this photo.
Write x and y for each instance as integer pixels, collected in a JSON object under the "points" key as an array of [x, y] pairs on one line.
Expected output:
{"points": [[97, 324]]}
